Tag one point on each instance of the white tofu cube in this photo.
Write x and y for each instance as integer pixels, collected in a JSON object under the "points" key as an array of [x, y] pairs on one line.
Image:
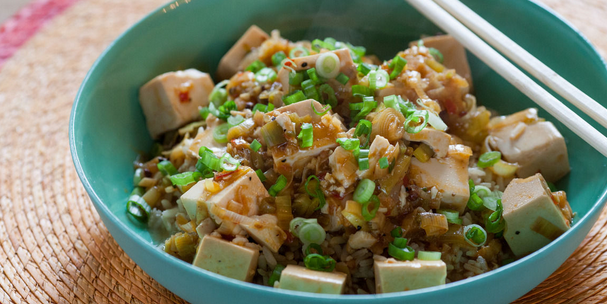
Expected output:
{"points": [[302, 279], [453, 53], [449, 175], [193, 204], [537, 148], [247, 190], [229, 63], [227, 259], [532, 217], [172, 99], [347, 67], [395, 276]]}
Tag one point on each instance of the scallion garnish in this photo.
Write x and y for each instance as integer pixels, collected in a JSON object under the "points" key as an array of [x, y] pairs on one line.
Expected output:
{"points": [[318, 262], [363, 159], [429, 255], [475, 203], [326, 90], [316, 248], [324, 110], [364, 191], [318, 44], [495, 222], [313, 76], [138, 209], [342, 78], [316, 193], [365, 68], [265, 75], [368, 105], [349, 144], [185, 178], [255, 145], [204, 112], [416, 121], [262, 177], [278, 57], [167, 168], [228, 163], [137, 176], [397, 232], [378, 79], [263, 108], [294, 97], [295, 79], [299, 51], [275, 273], [224, 111], [451, 215], [220, 133], [306, 135], [219, 95], [401, 252], [384, 163], [438, 56], [255, 66], [235, 120], [373, 203], [475, 235], [280, 184], [328, 65], [398, 64], [364, 127], [488, 159], [361, 91], [309, 89]]}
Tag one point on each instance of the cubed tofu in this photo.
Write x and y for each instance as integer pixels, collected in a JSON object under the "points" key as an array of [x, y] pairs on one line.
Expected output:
{"points": [[229, 63], [247, 190], [537, 148], [380, 147], [304, 63], [395, 276], [227, 259], [449, 175], [453, 52], [302, 279], [303, 108], [532, 217], [192, 201], [439, 141], [172, 99]]}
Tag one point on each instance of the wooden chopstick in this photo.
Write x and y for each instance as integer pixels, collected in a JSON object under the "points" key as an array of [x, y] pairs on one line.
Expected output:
{"points": [[525, 60], [511, 73]]}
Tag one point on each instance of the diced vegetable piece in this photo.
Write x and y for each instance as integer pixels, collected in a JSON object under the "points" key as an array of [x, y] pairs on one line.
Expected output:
{"points": [[226, 258], [302, 279], [394, 276], [532, 218]]}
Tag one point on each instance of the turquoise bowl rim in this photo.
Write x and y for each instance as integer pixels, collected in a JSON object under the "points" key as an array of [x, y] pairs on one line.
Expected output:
{"points": [[583, 225]]}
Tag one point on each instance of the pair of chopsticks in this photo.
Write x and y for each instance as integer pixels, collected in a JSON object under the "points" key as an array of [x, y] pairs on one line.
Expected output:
{"points": [[445, 14]]}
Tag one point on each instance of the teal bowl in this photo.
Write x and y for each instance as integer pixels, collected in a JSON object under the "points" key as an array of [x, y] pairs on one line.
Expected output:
{"points": [[107, 128]]}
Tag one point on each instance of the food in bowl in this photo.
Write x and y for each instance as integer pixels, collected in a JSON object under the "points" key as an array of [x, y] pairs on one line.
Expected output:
{"points": [[316, 167]]}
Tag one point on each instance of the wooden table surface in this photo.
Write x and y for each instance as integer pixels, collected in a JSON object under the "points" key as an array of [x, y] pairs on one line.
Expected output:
{"points": [[51, 252]]}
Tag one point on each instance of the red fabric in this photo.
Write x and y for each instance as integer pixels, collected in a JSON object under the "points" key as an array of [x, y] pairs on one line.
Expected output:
{"points": [[26, 22]]}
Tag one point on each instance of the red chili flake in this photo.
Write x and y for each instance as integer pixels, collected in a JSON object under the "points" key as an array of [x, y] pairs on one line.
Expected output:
{"points": [[184, 96], [406, 181], [290, 238], [223, 175], [288, 63], [450, 106]]}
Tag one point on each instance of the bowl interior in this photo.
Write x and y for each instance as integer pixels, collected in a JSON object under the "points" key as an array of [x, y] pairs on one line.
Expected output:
{"points": [[108, 129]]}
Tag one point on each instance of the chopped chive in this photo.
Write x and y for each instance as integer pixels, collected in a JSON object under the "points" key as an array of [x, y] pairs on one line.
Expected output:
{"points": [[185, 178], [295, 79], [220, 133], [255, 145], [488, 159], [167, 168], [313, 76], [299, 51], [294, 97], [280, 184], [342, 78], [316, 193], [364, 191], [306, 135], [262, 177], [255, 66], [326, 90], [384, 163], [278, 57], [349, 144]]}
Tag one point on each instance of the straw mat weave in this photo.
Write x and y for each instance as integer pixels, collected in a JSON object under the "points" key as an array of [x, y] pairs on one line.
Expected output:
{"points": [[54, 247]]}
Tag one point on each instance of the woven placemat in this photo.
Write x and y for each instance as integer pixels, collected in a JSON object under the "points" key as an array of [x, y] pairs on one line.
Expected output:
{"points": [[54, 247]]}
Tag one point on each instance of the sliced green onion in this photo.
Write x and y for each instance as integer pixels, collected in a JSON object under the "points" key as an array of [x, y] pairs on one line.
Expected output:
{"points": [[495, 222], [318, 44], [429, 255], [451, 215], [370, 214], [400, 242], [397, 232], [310, 90], [475, 235], [299, 222], [255, 66], [342, 78], [312, 233], [295, 79], [326, 109], [138, 208], [475, 203], [299, 51], [137, 176], [416, 122], [167, 168], [398, 63], [391, 102], [420, 42], [363, 159], [235, 120], [313, 76], [438, 56], [208, 162], [551, 186], [365, 68], [204, 112], [316, 193], [294, 97], [275, 273], [220, 133], [228, 163], [330, 41], [223, 111], [368, 105], [327, 90], [372, 79], [378, 79], [219, 95], [357, 52], [262, 177], [318, 262], [314, 246], [384, 163], [436, 122], [402, 254], [263, 108], [364, 191], [488, 159], [306, 135], [255, 145], [272, 134], [185, 178], [361, 91], [364, 127], [265, 75], [280, 184], [349, 143], [328, 65], [278, 57]]}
